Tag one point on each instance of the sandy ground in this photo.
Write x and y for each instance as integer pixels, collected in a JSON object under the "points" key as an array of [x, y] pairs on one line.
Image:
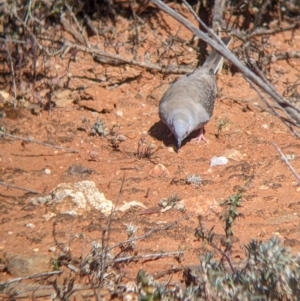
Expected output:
{"points": [[270, 201]]}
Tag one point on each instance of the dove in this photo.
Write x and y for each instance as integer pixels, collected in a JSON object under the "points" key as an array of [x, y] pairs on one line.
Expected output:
{"points": [[188, 104]]}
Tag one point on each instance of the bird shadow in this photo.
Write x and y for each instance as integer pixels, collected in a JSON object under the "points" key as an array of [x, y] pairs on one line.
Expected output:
{"points": [[160, 132]]}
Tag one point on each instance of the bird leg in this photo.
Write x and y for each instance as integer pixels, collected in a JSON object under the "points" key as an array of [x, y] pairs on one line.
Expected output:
{"points": [[200, 136]]}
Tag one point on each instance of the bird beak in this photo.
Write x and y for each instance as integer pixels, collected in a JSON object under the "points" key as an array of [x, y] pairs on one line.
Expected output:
{"points": [[179, 143]]}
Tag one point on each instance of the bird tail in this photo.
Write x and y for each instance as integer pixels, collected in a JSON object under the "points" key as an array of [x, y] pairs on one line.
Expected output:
{"points": [[215, 60]]}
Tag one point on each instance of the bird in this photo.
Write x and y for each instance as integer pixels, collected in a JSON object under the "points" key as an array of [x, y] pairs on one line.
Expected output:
{"points": [[188, 103]]}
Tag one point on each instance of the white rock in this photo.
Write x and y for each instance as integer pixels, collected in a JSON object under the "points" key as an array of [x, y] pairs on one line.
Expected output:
{"points": [[215, 161], [84, 195], [233, 154], [119, 113], [47, 171], [52, 249], [34, 201]]}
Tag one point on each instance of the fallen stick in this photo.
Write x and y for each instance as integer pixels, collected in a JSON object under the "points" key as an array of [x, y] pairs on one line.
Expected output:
{"points": [[37, 142], [149, 256], [115, 59], [286, 161], [147, 234], [19, 188], [40, 275]]}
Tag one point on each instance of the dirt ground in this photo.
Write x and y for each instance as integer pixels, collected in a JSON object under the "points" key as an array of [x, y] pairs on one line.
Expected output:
{"points": [[271, 197]]}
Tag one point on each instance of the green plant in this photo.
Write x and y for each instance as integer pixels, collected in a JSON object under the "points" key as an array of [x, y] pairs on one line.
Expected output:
{"points": [[269, 271], [221, 125], [55, 264], [193, 179]]}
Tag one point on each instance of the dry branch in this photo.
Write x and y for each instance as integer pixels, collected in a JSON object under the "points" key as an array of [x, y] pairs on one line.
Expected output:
{"points": [[217, 16], [149, 256], [40, 275], [286, 161], [37, 142], [68, 27], [281, 56], [12, 72], [107, 232], [19, 188], [33, 291], [115, 59], [262, 32], [99, 55], [147, 234]]}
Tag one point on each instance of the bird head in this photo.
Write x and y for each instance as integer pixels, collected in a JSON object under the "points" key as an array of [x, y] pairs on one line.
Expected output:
{"points": [[181, 128]]}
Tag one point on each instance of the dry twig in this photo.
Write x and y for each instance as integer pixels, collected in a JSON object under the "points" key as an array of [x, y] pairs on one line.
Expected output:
{"points": [[286, 161], [12, 72], [40, 275], [217, 16], [149, 256], [261, 32], [281, 56], [147, 234], [37, 142], [19, 188], [107, 231], [116, 59]]}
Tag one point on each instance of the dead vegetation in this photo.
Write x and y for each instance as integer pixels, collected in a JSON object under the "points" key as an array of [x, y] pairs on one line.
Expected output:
{"points": [[34, 33], [269, 271]]}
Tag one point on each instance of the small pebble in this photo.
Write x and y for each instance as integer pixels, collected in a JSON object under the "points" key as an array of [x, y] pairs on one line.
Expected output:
{"points": [[290, 157], [119, 113], [52, 249], [47, 171], [34, 202], [216, 161], [65, 249], [43, 200], [35, 250], [264, 187], [121, 138], [180, 206], [48, 216], [30, 225], [131, 135], [10, 232], [72, 268], [94, 154]]}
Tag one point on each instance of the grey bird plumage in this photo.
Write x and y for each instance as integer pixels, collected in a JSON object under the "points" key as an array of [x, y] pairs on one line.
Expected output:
{"points": [[188, 104]]}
